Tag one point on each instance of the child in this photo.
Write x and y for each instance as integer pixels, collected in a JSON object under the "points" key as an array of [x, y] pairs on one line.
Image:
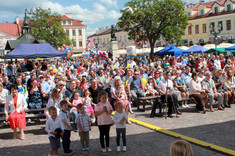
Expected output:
{"points": [[52, 124], [181, 147], [65, 118], [103, 112], [150, 87], [119, 118], [76, 100], [84, 84], [88, 102], [123, 98], [84, 124]]}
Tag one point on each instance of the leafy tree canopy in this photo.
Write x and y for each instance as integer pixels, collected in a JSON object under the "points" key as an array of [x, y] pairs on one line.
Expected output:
{"points": [[152, 19], [46, 25]]}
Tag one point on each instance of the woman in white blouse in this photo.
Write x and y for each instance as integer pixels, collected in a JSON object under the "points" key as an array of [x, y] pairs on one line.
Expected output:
{"points": [[3, 98], [196, 92]]}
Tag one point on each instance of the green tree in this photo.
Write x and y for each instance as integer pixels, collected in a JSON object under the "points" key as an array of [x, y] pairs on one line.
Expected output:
{"points": [[152, 19], [46, 25]]}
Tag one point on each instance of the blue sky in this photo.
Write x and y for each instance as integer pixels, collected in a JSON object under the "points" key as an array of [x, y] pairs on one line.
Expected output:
{"points": [[93, 13]]}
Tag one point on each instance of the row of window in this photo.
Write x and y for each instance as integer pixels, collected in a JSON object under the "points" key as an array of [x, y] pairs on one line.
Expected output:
{"points": [[216, 10], [204, 27], [80, 44], [68, 22], [74, 32]]}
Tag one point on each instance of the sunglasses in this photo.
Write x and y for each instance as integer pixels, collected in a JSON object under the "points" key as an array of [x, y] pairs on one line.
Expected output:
{"points": [[41, 78], [61, 85]]}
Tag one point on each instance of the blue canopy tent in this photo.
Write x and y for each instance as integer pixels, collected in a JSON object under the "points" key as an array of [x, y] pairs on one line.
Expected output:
{"points": [[142, 55], [131, 56], [195, 49], [170, 50], [230, 48], [34, 51]]}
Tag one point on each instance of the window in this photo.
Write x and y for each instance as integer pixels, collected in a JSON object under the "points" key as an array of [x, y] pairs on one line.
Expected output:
{"points": [[64, 22], [189, 14], [228, 7], [121, 38], [196, 29], [67, 31], [125, 38], [74, 44], [80, 32], [228, 23], [74, 32], [69, 22], [80, 43], [107, 40], [190, 30], [221, 23], [204, 28], [202, 12], [213, 26], [216, 10]]}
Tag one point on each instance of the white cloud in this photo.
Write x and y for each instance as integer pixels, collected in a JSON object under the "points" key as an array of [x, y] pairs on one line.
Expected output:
{"points": [[98, 14], [110, 3]]}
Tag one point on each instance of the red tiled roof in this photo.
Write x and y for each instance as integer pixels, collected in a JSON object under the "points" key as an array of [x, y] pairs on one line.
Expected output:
{"points": [[75, 22], [10, 28]]}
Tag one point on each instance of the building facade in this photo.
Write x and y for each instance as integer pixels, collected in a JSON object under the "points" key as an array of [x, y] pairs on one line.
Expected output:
{"points": [[76, 32], [214, 13]]}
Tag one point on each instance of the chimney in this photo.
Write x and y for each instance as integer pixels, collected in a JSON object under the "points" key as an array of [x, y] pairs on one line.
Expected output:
{"points": [[69, 15], [17, 20], [201, 1]]}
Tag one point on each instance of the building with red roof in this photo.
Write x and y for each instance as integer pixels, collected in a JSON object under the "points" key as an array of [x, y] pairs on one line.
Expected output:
{"points": [[76, 32], [215, 13], [8, 31]]}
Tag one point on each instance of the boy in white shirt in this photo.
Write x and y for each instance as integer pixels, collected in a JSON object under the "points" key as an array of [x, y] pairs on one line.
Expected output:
{"points": [[120, 119], [65, 118], [53, 126]]}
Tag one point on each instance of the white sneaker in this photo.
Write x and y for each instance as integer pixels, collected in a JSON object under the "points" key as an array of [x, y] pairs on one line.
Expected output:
{"points": [[183, 106], [186, 106], [124, 149], [118, 149]]}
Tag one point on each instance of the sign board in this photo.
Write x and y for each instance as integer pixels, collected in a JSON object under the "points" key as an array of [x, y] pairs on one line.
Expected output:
{"points": [[131, 50]]}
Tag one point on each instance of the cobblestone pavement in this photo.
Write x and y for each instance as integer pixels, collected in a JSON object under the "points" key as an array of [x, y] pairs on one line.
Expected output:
{"points": [[217, 128]]}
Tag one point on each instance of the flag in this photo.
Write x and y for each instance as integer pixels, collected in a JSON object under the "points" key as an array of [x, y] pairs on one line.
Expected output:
{"points": [[122, 44], [103, 44], [119, 41]]}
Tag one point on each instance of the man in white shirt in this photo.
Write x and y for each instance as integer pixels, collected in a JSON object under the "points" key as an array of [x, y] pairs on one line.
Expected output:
{"points": [[165, 89], [217, 63]]}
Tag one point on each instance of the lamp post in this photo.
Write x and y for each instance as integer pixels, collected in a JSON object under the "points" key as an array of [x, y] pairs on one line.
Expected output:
{"points": [[215, 33]]}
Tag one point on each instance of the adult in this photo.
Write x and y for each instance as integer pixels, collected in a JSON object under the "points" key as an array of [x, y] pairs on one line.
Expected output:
{"points": [[79, 88], [69, 98], [21, 87], [29, 82], [133, 87], [6, 83], [114, 90], [95, 89], [3, 97], [15, 106], [180, 85], [53, 101], [209, 86], [187, 76], [165, 89], [101, 78], [10, 72], [46, 89], [219, 84], [230, 86], [35, 95], [197, 93]]}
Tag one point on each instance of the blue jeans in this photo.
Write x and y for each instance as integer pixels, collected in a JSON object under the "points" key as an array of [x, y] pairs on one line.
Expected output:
{"points": [[75, 114], [66, 141], [2, 109], [137, 93]]}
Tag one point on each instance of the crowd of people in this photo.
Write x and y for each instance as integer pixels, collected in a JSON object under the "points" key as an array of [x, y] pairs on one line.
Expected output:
{"points": [[87, 90]]}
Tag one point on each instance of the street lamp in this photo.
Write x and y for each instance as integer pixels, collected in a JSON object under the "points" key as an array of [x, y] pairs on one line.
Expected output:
{"points": [[213, 32]]}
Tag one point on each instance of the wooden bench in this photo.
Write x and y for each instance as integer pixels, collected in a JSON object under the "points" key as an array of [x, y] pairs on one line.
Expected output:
{"points": [[29, 114], [147, 100]]}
